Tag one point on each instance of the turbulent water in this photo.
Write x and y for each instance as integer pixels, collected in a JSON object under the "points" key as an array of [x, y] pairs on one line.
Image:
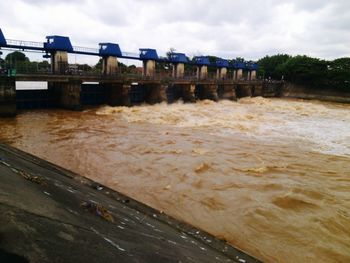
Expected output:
{"points": [[270, 176]]}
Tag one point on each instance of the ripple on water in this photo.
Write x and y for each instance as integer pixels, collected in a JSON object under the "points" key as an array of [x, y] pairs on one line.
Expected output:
{"points": [[293, 202]]}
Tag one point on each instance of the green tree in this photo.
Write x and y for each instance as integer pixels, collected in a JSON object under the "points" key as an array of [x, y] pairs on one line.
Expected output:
{"points": [[170, 51], [212, 60], [122, 67], [163, 66], [98, 66], [16, 56], [305, 70], [339, 70], [271, 66], [18, 60], [44, 66], [84, 67]]}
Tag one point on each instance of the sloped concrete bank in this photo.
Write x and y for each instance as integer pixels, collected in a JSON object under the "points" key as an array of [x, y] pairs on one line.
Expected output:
{"points": [[289, 90], [49, 214]]}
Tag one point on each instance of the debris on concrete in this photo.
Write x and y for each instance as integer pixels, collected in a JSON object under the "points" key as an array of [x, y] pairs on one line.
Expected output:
{"points": [[98, 210], [35, 179], [97, 186]]}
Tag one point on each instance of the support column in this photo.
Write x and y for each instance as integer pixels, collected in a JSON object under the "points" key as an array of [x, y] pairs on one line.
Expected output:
{"points": [[188, 92], [149, 68], [178, 70], [244, 91], [109, 65], [227, 92], [67, 94], [118, 94], [182, 91], [155, 93], [221, 73], [202, 72], [8, 105], [59, 62], [239, 74], [207, 92], [234, 74], [253, 75], [257, 90]]}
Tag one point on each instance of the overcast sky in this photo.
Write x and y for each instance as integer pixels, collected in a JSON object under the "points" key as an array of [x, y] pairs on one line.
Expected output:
{"points": [[225, 28]]}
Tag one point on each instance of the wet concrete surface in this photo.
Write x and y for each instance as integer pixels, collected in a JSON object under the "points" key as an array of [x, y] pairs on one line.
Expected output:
{"points": [[49, 214]]}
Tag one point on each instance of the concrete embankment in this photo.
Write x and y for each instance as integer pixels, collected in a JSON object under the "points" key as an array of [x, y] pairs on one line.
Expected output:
{"points": [[289, 90], [49, 214]]}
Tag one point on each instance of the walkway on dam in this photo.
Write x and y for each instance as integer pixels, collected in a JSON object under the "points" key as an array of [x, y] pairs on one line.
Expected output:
{"points": [[49, 214]]}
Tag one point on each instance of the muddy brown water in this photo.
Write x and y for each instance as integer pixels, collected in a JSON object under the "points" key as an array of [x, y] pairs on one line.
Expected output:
{"points": [[270, 176]]}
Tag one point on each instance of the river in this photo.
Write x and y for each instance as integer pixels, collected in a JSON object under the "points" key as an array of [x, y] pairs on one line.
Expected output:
{"points": [[270, 176]]}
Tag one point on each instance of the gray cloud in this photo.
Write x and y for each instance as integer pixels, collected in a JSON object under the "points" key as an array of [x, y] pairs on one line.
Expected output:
{"points": [[224, 28]]}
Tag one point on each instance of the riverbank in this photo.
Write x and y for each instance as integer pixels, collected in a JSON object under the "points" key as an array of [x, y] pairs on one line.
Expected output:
{"points": [[50, 214], [290, 90]]}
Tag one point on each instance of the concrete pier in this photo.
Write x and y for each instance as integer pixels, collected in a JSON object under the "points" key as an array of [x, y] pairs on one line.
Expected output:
{"points": [[7, 97], [109, 65], [227, 92], [117, 94], [257, 90], [252, 75], [178, 70], [59, 62], [202, 72], [155, 93], [67, 94], [149, 68], [186, 92], [239, 74], [221, 73], [244, 91], [207, 92]]}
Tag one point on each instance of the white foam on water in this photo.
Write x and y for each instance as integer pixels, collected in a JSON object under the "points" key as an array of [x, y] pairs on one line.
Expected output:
{"points": [[327, 128]]}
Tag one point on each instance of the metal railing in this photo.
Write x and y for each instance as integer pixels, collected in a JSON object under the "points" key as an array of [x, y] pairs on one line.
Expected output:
{"points": [[86, 50], [21, 43], [131, 55]]}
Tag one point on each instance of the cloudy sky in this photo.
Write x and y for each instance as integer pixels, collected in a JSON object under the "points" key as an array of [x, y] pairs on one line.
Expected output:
{"points": [[225, 28]]}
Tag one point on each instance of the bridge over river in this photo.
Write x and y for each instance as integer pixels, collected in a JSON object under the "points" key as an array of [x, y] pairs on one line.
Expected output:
{"points": [[186, 79]]}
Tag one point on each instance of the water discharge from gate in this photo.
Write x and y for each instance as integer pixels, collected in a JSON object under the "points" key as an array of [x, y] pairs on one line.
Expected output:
{"points": [[270, 176]]}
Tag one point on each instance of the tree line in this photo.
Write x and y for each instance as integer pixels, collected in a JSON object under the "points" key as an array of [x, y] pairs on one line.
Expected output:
{"points": [[305, 70]]}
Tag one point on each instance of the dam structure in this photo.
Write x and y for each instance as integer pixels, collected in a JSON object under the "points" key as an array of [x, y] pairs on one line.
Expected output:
{"points": [[189, 80], [69, 218]]}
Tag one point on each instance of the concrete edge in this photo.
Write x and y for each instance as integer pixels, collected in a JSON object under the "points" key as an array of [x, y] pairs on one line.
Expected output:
{"points": [[200, 235]]}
